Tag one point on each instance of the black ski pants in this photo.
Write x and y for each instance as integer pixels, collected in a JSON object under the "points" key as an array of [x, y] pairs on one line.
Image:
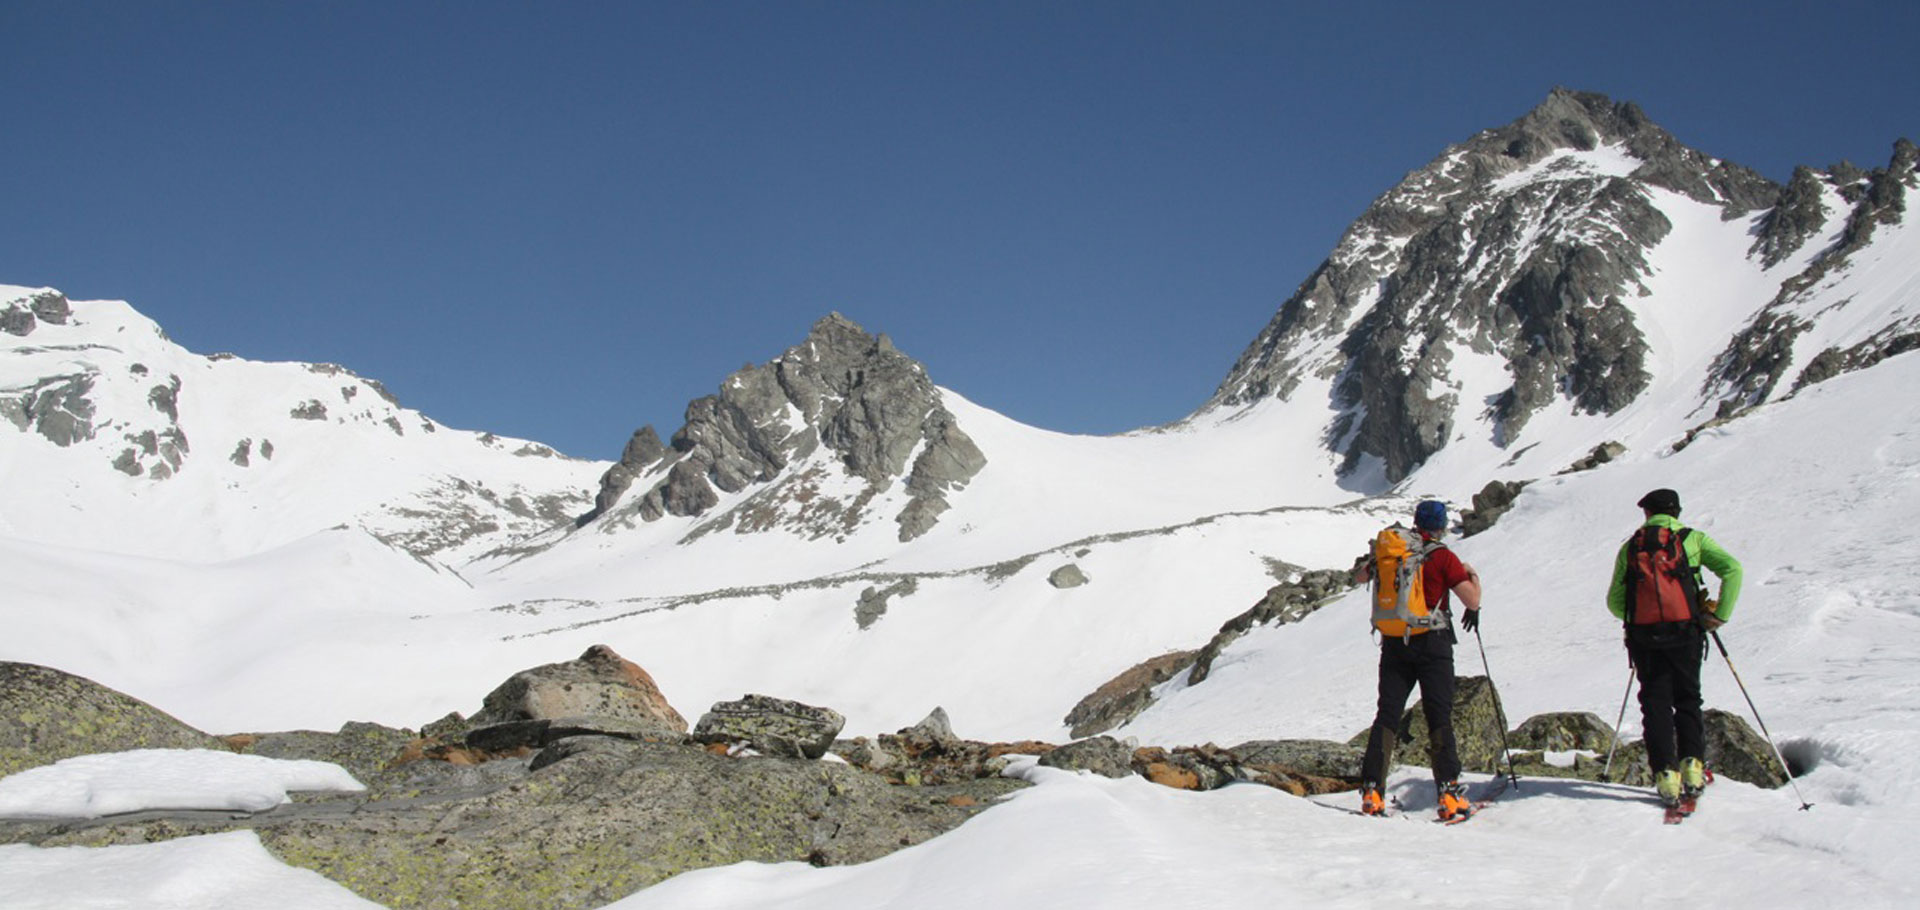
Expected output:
{"points": [[1426, 661], [1670, 698]]}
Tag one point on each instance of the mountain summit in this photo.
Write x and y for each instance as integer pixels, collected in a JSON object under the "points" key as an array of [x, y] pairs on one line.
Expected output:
{"points": [[1506, 278], [824, 430]]}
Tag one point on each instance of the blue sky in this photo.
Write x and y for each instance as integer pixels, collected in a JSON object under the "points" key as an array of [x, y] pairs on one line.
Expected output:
{"points": [[563, 220]]}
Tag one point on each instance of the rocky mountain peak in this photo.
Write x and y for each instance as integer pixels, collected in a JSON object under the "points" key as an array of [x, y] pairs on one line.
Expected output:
{"points": [[843, 405], [1519, 244]]}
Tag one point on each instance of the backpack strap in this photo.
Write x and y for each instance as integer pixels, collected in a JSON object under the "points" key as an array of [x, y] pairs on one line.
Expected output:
{"points": [[1696, 585]]}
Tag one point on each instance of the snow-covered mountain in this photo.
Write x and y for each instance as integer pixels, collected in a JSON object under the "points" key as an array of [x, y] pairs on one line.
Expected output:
{"points": [[116, 439], [833, 526], [1579, 276]]}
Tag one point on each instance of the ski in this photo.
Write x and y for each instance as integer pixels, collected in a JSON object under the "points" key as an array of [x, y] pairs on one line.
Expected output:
{"points": [[1499, 788], [1677, 813], [1689, 802]]}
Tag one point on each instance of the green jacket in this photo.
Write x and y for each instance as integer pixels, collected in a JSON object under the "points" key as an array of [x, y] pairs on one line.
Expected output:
{"points": [[1701, 551]]}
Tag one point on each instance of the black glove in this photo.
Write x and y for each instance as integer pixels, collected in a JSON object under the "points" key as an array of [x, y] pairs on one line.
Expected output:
{"points": [[1470, 620]]}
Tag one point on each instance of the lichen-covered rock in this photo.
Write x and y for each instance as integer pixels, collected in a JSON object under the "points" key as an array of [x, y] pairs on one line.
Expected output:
{"points": [[1477, 728], [1315, 757], [580, 833], [1563, 731], [934, 733], [363, 749], [1736, 752], [771, 726], [1207, 767], [600, 683], [1102, 755], [929, 754], [47, 715]]}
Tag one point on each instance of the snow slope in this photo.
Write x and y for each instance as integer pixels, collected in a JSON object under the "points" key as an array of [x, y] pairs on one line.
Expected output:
{"points": [[206, 458], [1815, 501]]}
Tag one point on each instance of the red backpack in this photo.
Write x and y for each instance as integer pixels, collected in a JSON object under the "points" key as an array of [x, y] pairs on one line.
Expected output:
{"points": [[1662, 587]]}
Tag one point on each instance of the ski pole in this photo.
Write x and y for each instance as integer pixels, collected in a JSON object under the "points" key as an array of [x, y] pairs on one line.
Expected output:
{"points": [[1606, 773], [1499, 713], [1804, 805]]}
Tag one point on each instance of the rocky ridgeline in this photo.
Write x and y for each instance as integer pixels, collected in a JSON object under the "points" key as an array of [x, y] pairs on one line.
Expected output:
{"points": [[577, 784], [841, 393], [1532, 271], [1754, 363], [1500, 247]]}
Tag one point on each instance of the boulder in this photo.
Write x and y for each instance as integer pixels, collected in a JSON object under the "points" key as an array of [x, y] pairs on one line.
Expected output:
{"points": [[1736, 752], [1123, 697], [1477, 728], [771, 726], [1313, 757], [929, 754], [47, 715], [51, 306], [1564, 731], [1207, 767], [363, 749], [580, 833], [1102, 755], [1493, 501], [934, 734], [600, 684], [1067, 576]]}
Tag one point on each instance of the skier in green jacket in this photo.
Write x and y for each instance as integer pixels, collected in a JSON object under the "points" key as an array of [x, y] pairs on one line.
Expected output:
{"points": [[1659, 594]]}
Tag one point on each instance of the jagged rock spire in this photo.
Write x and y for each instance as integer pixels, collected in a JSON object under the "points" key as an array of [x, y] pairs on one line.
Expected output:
{"points": [[842, 391]]}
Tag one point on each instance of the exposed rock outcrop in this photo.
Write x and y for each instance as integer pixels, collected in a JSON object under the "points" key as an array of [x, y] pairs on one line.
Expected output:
{"points": [[642, 451], [771, 726], [1477, 729], [1489, 504], [1067, 576], [1123, 697], [1286, 602], [600, 683], [1508, 245], [866, 410], [47, 715], [1102, 755], [1756, 360]]}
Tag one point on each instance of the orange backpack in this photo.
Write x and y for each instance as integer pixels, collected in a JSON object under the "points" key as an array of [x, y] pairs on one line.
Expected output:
{"points": [[1400, 607]]}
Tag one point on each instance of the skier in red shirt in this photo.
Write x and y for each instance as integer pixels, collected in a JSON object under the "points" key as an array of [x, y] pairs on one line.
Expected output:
{"points": [[1423, 656]]}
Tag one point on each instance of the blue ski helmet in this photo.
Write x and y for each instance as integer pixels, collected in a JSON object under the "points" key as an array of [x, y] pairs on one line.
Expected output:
{"points": [[1430, 515]]}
